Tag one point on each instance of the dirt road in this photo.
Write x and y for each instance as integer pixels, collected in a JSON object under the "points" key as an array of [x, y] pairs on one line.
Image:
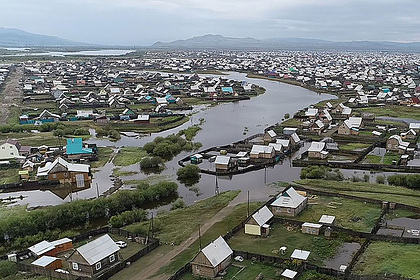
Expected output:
{"points": [[151, 270], [11, 94]]}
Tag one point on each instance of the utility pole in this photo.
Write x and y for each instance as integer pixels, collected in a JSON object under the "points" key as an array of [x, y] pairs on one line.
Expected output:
{"points": [[199, 235], [248, 205], [216, 191], [97, 191]]}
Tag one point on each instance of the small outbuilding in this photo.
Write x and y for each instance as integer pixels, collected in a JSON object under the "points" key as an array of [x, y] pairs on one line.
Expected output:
{"points": [[311, 228], [47, 262], [257, 224], [327, 220], [299, 254], [212, 259], [289, 274]]}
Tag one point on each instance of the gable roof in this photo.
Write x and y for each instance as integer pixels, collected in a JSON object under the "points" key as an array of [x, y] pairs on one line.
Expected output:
{"points": [[75, 167], [222, 160], [262, 216], [217, 251], [75, 146], [98, 249], [353, 122], [289, 198], [41, 247], [316, 146], [261, 149], [271, 133], [44, 261]]}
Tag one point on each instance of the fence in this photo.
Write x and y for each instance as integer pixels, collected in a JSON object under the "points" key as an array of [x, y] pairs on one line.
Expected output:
{"points": [[48, 272], [185, 269]]}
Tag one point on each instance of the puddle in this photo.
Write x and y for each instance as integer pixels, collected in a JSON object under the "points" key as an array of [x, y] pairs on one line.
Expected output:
{"points": [[344, 255]]}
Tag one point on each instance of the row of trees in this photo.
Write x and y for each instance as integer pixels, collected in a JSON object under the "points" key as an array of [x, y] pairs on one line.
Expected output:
{"points": [[169, 146], [80, 212], [411, 181]]}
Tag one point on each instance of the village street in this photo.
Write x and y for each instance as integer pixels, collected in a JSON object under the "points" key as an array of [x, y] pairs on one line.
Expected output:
{"points": [[12, 93]]}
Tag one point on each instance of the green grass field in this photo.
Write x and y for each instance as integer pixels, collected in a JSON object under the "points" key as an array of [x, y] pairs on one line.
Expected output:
{"points": [[129, 155], [390, 258], [372, 159], [393, 111], [320, 247], [351, 214], [354, 146], [368, 190]]}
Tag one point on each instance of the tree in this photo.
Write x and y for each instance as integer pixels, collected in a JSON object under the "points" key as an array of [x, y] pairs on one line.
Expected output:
{"points": [[187, 172]]}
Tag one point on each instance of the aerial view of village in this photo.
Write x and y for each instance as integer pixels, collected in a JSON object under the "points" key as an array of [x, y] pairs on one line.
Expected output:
{"points": [[158, 153]]}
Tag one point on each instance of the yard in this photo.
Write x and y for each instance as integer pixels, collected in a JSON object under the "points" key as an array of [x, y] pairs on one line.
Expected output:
{"points": [[351, 214], [393, 111], [244, 271], [9, 176], [129, 155], [390, 258], [320, 247], [354, 146], [104, 154], [367, 190]]}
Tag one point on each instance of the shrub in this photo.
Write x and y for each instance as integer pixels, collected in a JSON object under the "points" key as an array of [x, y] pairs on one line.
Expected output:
{"points": [[150, 162], [128, 217], [187, 172], [380, 179], [7, 268], [179, 203]]}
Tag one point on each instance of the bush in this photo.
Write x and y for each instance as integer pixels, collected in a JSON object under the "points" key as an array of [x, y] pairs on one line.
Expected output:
{"points": [[179, 203], [7, 268], [81, 131], [380, 179], [411, 181], [128, 217], [187, 172], [313, 172], [150, 162]]}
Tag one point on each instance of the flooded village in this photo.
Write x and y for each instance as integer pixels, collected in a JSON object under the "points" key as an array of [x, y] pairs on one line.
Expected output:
{"points": [[299, 165]]}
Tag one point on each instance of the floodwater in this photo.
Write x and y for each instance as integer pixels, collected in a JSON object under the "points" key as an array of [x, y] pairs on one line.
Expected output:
{"points": [[344, 255], [78, 53], [410, 226], [223, 124]]}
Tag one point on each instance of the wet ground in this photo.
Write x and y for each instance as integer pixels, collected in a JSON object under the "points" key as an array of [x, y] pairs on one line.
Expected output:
{"points": [[344, 255]]}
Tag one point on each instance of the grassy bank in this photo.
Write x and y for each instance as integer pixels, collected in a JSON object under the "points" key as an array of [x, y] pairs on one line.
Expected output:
{"points": [[129, 155], [394, 111]]}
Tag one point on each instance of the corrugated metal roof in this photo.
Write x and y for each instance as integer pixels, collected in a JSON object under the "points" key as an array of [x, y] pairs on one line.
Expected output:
{"points": [[98, 249], [44, 261], [41, 247], [222, 160], [289, 198], [262, 216], [217, 251], [300, 254]]}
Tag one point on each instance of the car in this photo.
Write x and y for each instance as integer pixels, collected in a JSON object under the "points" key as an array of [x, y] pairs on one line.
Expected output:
{"points": [[121, 244]]}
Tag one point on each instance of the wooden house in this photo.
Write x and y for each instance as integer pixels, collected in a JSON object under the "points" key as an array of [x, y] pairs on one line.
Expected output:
{"points": [[311, 228], [212, 259], [260, 151], [224, 163], [269, 136], [76, 150], [351, 126], [95, 257], [65, 172], [396, 144], [142, 119], [317, 150], [257, 224], [289, 203], [410, 134]]}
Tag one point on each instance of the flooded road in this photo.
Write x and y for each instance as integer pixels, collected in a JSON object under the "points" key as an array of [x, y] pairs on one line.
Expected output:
{"points": [[223, 124]]}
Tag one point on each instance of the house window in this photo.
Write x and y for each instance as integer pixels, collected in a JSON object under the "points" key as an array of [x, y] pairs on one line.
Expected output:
{"points": [[75, 266], [289, 210], [54, 176], [112, 258], [80, 181], [98, 266], [11, 153]]}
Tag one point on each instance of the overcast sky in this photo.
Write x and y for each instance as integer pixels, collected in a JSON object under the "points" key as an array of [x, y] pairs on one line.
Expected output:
{"points": [[143, 22]]}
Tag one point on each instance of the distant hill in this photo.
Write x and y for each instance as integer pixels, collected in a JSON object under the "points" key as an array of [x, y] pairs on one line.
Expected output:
{"points": [[10, 37], [228, 43]]}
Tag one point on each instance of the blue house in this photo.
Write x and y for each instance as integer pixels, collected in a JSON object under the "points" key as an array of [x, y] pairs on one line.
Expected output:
{"points": [[75, 148], [227, 90], [170, 98]]}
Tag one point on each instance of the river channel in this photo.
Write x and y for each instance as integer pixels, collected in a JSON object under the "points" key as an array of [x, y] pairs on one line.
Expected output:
{"points": [[223, 124]]}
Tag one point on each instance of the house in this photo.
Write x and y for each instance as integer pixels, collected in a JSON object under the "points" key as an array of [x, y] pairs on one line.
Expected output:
{"points": [[10, 150], [76, 150], [317, 126], [285, 143], [289, 203], [212, 259], [278, 148], [415, 127], [65, 172], [142, 119], [261, 151], [289, 130], [294, 139], [223, 163], [257, 224], [410, 134], [311, 113], [311, 228], [47, 116], [227, 90], [300, 255], [269, 136], [94, 257], [396, 144], [317, 150], [351, 126], [46, 248]]}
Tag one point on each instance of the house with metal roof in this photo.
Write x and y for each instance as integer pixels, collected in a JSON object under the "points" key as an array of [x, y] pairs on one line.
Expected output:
{"points": [[351, 126], [212, 259], [76, 150], [317, 150], [289, 203], [223, 163], [258, 223], [261, 151], [95, 257], [269, 136]]}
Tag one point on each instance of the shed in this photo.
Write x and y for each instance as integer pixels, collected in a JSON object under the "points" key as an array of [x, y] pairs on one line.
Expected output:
{"points": [[257, 224], [48, 262], [299, 254], [42, 248], [223, 163], [326, 220], [289, 274], [195, 159], [311, 228], [212, 259]]}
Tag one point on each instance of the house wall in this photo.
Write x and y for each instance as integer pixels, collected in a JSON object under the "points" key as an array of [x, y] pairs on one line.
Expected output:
{"points": [[8, 151], [312, 154], [67, 176], [267, 138], [283, 211], [344, 130], [87, 269], [221, 166], [63, 247], [252, 229]]}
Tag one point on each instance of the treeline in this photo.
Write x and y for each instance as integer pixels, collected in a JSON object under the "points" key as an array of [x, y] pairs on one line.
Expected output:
{"points": [[58, 128], [411, 181], [41, 223], [321, 172]]}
